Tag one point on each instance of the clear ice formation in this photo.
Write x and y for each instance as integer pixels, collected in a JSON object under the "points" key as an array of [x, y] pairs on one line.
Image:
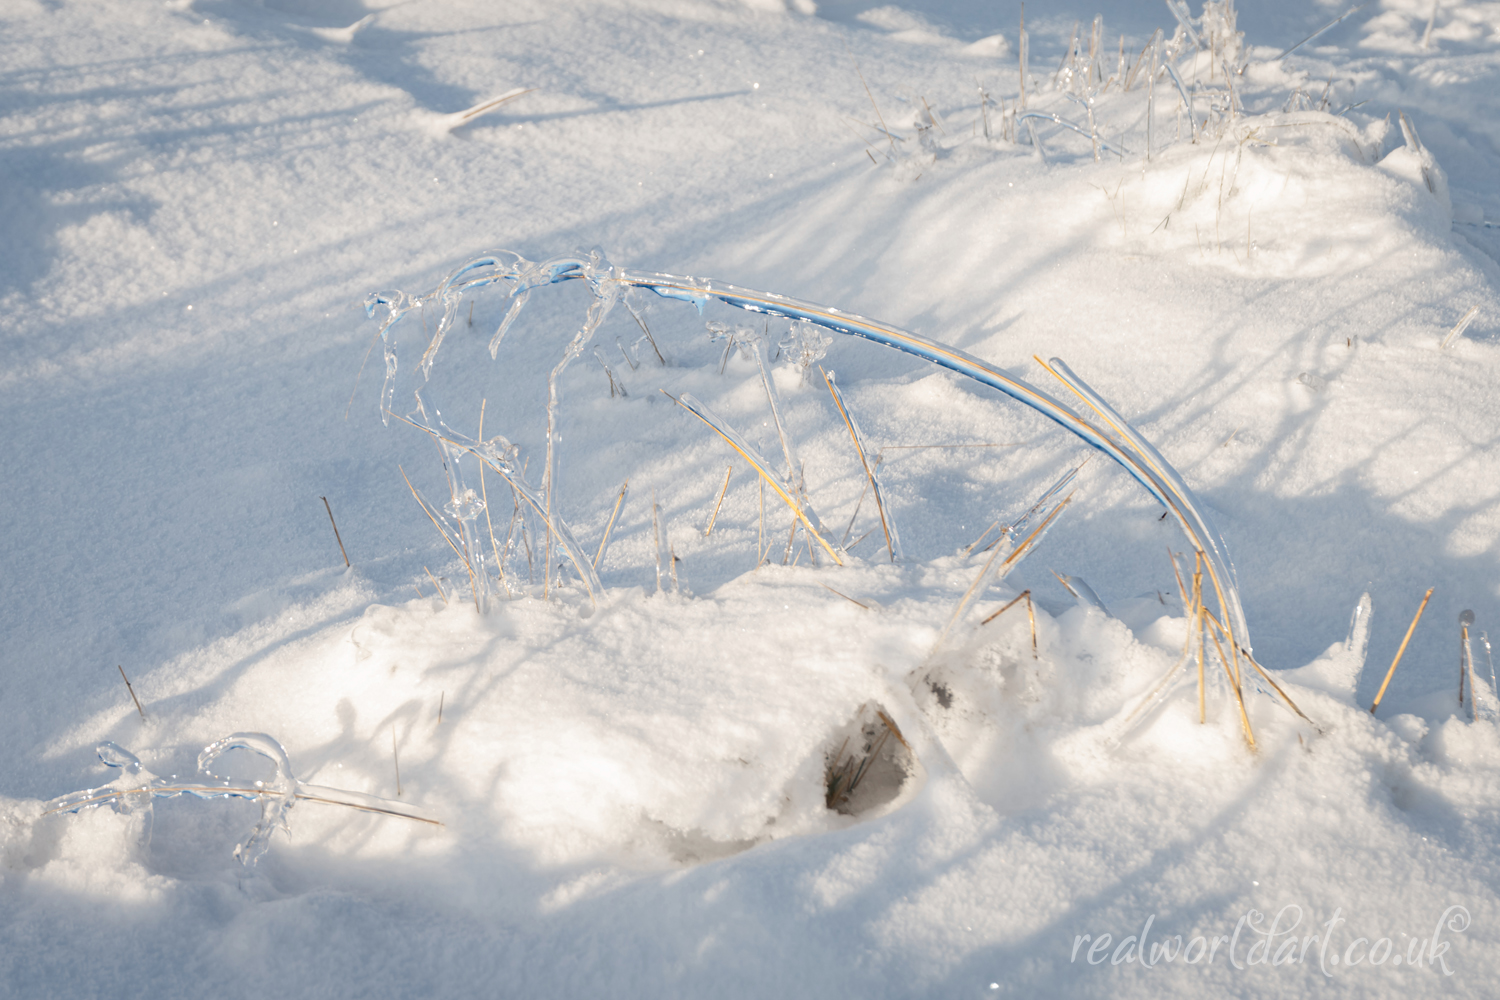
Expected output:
{"points": [[805, 345], [1026, 116], [1358, 643], [1081, 591], [136, 787], [1098, 425]]}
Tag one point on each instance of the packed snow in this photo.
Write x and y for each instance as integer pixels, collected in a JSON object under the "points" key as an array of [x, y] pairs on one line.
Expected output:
{"points": [[726, 680]]}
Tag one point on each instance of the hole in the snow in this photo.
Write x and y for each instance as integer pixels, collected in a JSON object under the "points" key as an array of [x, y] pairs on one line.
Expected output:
{"points": [[868, 762]]}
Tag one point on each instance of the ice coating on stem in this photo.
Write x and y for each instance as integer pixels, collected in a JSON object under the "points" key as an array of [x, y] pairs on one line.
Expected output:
{"points": [[758, 346], [463, 507], [1081, 591], [129, 792], [1182, 503], [396, 304], [1006, 556], [134, 790], [556, 526], [276, 796]]}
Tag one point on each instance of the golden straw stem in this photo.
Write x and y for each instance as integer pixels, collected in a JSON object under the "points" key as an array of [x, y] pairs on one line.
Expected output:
{"points": [[610, 527], [1031, 616], [1198, 625], [1262, 671], [844, 596], [435, 584], [1399, 652], [895, 729], [1238, 697], [983, 535], [433, 518], [1023, 595], [838, 402], [718, 503], [765, 476]]}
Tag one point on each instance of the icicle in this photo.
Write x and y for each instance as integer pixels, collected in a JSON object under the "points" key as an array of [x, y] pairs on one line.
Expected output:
{"points": [[661, 550]]}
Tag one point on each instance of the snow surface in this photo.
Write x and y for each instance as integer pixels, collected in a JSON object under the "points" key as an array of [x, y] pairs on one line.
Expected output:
{"points": [[195, 198]]}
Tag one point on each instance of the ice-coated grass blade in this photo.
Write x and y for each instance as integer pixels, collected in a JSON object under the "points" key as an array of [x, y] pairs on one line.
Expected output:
{"points": [[773, 399], [1489, 659], [747, 451], [872, 477], [1358, 643], [713, 517], [1219, 628], [1327, 27], [1175, 494], [1180, 11], [557, 527], [1080, 591], [136, 787], [610, 527], [1027, 116], [1187, 102], [1006, 557]]}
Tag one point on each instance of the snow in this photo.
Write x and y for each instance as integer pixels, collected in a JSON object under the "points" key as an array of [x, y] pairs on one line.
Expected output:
{"points": [[197, 196]]}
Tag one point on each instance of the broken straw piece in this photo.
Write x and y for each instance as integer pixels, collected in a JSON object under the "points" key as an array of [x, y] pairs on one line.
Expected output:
{"points": [[437, 124], [1459, 328]]}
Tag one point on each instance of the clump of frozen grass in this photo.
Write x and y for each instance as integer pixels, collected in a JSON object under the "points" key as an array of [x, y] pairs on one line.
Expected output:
{"points": [[1222, 629], [1119, 99], [1098, 424]]}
